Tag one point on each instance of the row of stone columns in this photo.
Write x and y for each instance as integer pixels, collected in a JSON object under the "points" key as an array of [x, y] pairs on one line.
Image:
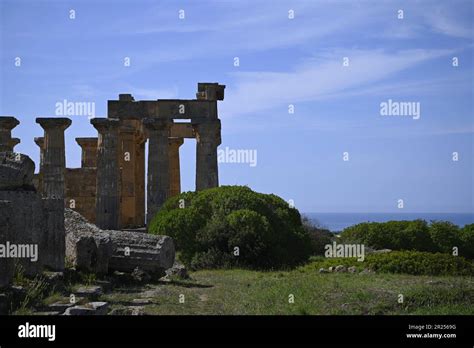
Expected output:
{"points": [[163, 165], [163, 170], [163, 160]]}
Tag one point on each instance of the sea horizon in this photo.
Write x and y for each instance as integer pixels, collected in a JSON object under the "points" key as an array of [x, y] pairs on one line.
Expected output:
{"points": [[336, 222]]}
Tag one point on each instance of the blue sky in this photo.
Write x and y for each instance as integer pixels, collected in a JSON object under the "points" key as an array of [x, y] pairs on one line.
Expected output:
{"points": [[282, 61]]}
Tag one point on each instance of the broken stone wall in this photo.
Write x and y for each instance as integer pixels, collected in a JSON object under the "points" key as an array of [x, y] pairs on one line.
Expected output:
{"points": [[81, 191], [26, 221]]}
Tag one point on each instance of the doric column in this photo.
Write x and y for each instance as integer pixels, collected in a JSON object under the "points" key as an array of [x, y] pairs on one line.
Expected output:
{"points": [[54, 158], [175, 173], [158, 164], [128, 158], [89, 152], [7, 123], [54, 166], [108, 173], [208, 138], [40, 142]]}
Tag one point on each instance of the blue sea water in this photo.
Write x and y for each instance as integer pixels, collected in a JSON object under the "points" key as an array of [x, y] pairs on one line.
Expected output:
{"points": [[336, 222]]}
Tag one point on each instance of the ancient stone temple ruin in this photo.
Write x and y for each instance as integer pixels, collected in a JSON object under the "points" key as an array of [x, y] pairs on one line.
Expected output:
{"points": [[109, 188]]}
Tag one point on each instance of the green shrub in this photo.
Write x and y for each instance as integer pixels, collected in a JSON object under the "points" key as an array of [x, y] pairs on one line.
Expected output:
{"points": [[438, 236], [319, 237], [420, 263], [467, 241], [445, 235], [208, 225], [396, 235]]}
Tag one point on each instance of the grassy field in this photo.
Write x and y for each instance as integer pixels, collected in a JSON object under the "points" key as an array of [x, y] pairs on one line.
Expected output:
{"points": [[253, 293]]}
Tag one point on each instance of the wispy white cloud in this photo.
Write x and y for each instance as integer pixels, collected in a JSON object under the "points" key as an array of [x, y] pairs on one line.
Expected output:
{"points": [[315, 79], [441, 19]]}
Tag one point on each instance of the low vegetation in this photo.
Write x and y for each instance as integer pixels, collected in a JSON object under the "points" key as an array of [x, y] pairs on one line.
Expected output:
{"points": [[248, 292], [253, 254], [403, 262], [435, 237]]}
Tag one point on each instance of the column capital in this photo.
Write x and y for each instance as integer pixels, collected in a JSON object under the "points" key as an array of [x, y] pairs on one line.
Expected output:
{"points": [[104, 125], [87, 142], [54, 122], [14, 142], [208, 131], [8, 122], [39, 141]]}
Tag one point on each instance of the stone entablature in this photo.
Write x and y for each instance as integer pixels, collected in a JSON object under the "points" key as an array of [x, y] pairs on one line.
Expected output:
{"points": [[109, 188]]}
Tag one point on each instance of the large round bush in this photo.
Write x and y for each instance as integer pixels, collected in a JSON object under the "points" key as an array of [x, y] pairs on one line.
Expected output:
{"points": [[233, 226]]}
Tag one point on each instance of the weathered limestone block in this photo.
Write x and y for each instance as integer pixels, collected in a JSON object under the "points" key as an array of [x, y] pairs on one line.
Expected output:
{"points": [[87, 247], [27, 226], [6, 264], [26, 217], [151, 253], [92, 308], [116, 250], [16, 171], [210, 91], [81, 190], [80, 249], [178, 270]]}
